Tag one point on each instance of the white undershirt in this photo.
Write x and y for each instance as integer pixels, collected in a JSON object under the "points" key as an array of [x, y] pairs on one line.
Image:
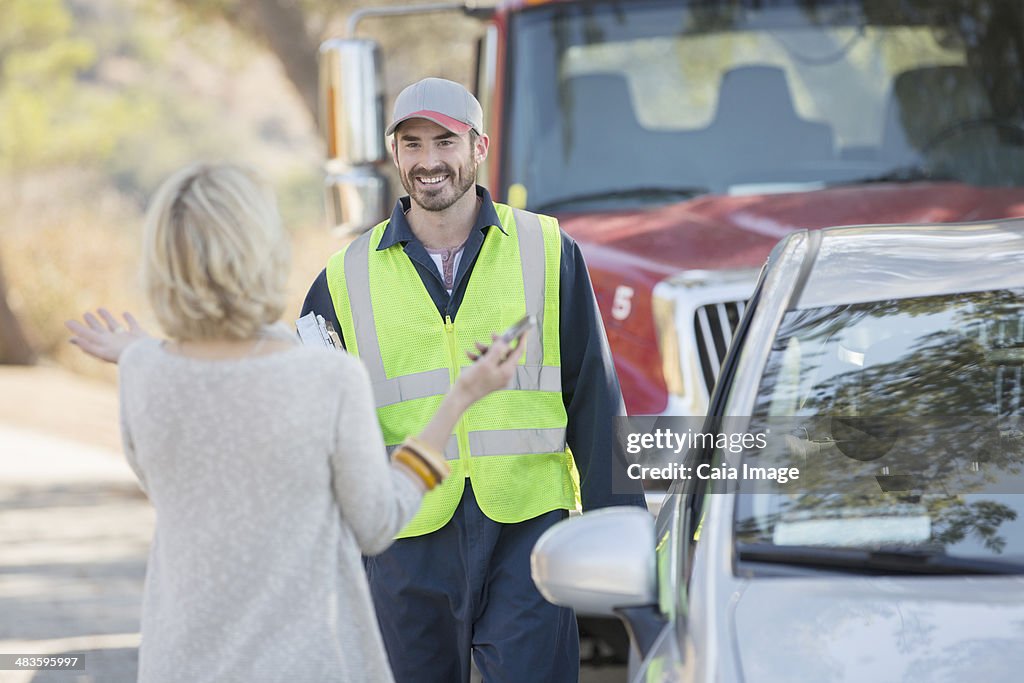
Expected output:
{"points": [[447, 261]]}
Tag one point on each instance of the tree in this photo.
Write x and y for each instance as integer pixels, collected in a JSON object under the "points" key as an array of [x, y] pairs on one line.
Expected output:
{"points": [[290, 29], [40, 59], [14, 347], [293, 29], [284, 25]]}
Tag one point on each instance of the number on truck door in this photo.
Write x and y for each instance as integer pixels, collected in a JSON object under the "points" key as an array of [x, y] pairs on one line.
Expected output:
{"points": [[622, 303]]}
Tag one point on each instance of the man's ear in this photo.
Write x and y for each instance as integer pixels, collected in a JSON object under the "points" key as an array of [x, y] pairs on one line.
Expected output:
{"points": [[394, 151], [482, 145]]}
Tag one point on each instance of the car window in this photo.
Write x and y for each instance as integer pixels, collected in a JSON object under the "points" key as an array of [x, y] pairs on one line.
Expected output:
{"points": [[926, 395]]}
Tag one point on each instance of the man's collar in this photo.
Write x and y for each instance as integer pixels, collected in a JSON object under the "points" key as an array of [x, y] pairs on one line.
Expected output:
{"points": [[399, 230]]}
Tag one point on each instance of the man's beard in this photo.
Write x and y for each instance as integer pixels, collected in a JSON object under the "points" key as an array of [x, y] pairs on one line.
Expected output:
{"points": [[440, 199]]}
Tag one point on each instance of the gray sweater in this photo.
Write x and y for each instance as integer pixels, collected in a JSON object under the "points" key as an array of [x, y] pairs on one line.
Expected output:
{"points": [[269, 477]]}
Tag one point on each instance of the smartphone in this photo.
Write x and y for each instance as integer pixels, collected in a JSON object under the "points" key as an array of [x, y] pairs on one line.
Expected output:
{"points": [[521, 327], [516, 331]]}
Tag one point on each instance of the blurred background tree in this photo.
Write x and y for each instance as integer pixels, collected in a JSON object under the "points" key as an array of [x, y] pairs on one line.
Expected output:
{"points": [[102, 99], [39, 61], [419, 45]]}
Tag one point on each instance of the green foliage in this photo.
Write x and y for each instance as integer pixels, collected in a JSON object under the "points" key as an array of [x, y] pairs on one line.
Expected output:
{"points": [[129, 90], [39, 62]]}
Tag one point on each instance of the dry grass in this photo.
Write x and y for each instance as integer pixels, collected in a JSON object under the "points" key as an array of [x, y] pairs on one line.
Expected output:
{"points": [[311, 247], [64, 257]]}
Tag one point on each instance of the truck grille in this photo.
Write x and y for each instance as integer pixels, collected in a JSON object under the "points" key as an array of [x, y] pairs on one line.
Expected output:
{"points": [[714, 325]]}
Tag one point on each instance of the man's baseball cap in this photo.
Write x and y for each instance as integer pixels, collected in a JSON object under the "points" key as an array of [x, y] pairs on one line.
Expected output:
{"points": [[444, 102]]}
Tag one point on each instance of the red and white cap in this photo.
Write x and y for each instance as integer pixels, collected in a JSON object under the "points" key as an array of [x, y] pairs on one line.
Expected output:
{"points": [[444, 102]]}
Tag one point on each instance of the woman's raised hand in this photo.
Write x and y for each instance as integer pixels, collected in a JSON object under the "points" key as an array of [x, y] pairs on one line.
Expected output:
{"points": [[107, 339]]}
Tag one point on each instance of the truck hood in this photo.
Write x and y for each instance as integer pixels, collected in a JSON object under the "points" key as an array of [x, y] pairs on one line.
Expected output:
{"points": [[721, 231], [880, 629]]}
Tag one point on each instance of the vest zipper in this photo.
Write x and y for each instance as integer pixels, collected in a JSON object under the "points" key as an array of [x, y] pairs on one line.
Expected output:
{"points": [[461, 431]]}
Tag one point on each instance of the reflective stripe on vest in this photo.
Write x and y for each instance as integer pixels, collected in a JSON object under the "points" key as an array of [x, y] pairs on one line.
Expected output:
{"points": [[435, 382], [531, 255], [505, 442], [516, 441], [451, 449]]}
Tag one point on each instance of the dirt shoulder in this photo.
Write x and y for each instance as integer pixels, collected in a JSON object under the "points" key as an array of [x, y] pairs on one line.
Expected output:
{"points": [[56, 402]]}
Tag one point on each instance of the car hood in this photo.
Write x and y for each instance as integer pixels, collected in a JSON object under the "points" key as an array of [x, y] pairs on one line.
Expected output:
{"points": [[880, 629], [720, 231]]}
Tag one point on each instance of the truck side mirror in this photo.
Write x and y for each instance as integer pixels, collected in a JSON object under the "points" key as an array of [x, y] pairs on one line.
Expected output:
{"points": [[352, 125]]}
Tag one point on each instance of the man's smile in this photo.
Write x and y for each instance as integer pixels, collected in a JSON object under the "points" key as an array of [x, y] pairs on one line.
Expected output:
{"points": [[432, 179]]}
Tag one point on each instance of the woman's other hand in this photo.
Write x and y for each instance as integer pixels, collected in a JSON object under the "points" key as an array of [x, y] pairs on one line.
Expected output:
{"points": [[105, 340]]}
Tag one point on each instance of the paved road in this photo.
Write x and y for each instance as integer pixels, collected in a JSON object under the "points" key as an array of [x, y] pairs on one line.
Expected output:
{"points": [[74, 534]]}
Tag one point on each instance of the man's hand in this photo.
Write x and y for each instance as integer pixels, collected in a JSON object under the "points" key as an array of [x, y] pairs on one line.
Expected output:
{"points": [[105, 342]]}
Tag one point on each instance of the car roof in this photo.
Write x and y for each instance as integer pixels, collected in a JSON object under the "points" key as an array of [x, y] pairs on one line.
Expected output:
{"points": [[867, 263]]}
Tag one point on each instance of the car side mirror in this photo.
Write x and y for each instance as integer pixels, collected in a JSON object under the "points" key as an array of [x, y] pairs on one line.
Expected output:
{"points": [[599, 562]]}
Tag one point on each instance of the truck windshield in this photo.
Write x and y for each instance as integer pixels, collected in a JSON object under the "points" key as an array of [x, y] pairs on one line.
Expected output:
{"points": [[626, 104]]}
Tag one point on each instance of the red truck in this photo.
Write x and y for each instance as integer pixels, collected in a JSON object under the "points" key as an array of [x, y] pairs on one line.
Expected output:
{"points": [[677, 141]]}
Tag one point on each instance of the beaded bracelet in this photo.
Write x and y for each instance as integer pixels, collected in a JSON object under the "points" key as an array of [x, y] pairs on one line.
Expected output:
{"points": [[405, 456]]}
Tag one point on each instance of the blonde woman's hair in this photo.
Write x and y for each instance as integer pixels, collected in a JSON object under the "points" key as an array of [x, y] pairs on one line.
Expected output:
{"points": [[215, 255]]}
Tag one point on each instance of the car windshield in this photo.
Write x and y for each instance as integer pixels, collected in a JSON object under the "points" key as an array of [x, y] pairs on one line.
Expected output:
{"points": [[927, 394], [666, 101]]}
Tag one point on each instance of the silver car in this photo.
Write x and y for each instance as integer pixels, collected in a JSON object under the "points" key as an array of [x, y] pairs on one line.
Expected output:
{"points": [[891, 359]]}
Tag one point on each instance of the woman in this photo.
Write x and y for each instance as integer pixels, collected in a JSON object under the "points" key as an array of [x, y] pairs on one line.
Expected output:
{"points": [[262, 457]]}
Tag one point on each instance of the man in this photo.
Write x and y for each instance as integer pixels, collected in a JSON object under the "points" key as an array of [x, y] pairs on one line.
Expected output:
{"points": [[410, 297]]}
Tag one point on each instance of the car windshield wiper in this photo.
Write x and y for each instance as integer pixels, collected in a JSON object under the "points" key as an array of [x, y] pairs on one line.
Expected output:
{"points": [[685, 192], [883, 561], [914, 173]]}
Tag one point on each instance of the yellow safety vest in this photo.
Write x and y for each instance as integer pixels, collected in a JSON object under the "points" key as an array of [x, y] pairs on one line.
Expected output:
{"points": [[511, 444]]}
